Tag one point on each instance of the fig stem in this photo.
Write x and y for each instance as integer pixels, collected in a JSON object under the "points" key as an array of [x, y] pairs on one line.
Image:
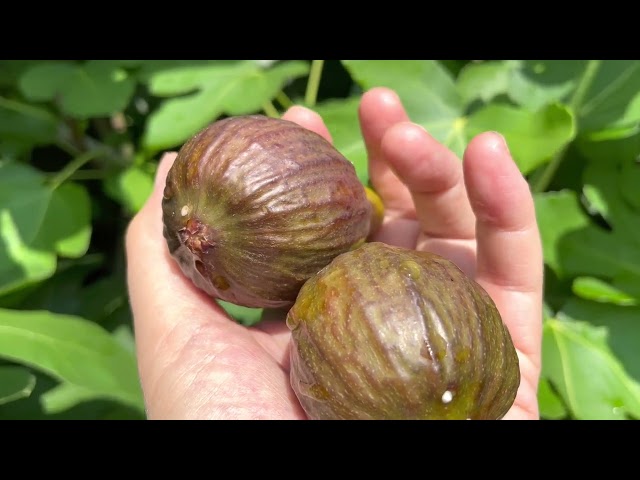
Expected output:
{"points": [[270, 110], [314, 82]]}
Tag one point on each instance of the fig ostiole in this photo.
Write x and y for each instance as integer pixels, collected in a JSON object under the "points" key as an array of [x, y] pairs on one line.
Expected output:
{"points": [[384, 332], [253, 206]]}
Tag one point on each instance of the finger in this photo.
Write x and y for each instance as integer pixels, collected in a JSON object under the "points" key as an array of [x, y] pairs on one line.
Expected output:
{"points": [[379, 109], [308, 119], [433, 175], [509, 255]]}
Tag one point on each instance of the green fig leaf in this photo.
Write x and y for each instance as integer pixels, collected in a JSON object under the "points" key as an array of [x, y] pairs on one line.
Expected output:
{"points": [[486, 80], [341, 119], [607, 92], [92, 89], [591, 288], [621, 323], [611, 182], [551, 406], [131, 187], [427, 90], [529, 84], [15, 383], [231, 88], [45, 81], [65, 396], [244, 315], [38, 224], [609, 254], [558, 214], [582, 367], [24, 126], [433, 100], [73, 350], [533, 137]]}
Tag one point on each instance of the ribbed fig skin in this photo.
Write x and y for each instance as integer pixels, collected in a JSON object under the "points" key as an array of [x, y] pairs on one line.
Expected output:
{"points": [[254, 206], [389, 333]]}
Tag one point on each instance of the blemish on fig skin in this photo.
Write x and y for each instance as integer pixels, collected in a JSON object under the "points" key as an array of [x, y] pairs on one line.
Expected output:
{"points": [[185, 210], [221, 283], [447, 396]]}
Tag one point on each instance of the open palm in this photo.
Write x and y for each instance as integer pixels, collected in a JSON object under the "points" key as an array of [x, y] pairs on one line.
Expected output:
{"points": [[196, 362]]}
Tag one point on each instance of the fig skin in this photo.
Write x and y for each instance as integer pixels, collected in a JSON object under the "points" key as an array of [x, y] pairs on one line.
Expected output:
{"points": [[253, 206], [389, 333]]}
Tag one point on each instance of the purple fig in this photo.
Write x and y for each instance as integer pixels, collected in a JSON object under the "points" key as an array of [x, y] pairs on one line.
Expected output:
{"points": [[254, 206], [384, 332]]}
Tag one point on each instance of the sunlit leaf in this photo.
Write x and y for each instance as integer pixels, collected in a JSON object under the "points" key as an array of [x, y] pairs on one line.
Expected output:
{"points": [[71, 349], [131, 187], [427, 90], [591, 288], [341, 119], [591, 380], [621, 323], [231, 88], [533, 137], [433, 100], [37, 224]]}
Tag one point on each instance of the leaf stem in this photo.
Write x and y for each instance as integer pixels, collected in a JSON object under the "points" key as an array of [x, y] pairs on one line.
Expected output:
{"points": [[314, 82], [575, 103], [72, 166], [94, 174], [284, 100], [270, 110]]}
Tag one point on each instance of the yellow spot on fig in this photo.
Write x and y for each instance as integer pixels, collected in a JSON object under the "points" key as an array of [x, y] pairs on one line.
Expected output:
{"points": [[221, 283]]}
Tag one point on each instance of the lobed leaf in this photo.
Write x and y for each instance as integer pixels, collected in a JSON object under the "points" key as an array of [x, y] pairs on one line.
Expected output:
{"points": [[433, 100], [231, 88], [558, 215], [621, 323], [37, 224], [591, 380], [533, 136], [92, 89], [73, 350]]}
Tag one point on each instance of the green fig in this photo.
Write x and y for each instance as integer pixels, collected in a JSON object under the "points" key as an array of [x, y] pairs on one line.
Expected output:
{"points": [[253, 206], [384, 332]]}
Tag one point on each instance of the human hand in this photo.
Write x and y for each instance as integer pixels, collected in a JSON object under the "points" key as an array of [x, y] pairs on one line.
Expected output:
{"points": [[196, 362]]}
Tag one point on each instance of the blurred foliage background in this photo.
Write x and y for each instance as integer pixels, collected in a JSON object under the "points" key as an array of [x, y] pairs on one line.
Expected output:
{"points": [[80, 141]]}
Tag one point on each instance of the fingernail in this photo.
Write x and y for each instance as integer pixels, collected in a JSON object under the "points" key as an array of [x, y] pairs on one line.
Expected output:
{"points": [[500, 143]]}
